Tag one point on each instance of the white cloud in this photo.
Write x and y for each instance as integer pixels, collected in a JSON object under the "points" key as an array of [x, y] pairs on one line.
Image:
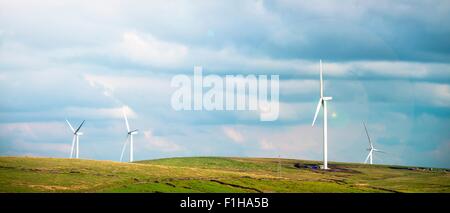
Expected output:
{"points": [[233, 134], [160, 143], [42, 147], [432, 94], [37, 138], [130, 83], [90, 113], [441, 154], [266, 145], [295, 111], [299, 86], [226, 58], [297, 140], [146, 49], [33, 130], [106, 88]]}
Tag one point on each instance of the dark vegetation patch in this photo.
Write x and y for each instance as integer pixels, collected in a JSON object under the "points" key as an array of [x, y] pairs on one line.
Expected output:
{"points": [[306, 166], [399, 167], [7, 167], [418, 168], [171, 184], [384, 189], [237, 186], [338, 181], [333, 168], [344, 170]]}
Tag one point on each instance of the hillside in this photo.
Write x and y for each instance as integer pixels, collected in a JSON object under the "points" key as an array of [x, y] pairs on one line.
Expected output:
{"points": [[211, 174]]}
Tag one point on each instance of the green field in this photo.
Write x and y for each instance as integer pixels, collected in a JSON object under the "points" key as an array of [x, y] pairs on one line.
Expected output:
{"points": [[211, 174]]}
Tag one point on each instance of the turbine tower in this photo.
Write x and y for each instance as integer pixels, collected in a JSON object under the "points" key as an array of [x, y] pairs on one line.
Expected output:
{"points": [[323, 103], [371, 148], [75, 140], [129, 139]]}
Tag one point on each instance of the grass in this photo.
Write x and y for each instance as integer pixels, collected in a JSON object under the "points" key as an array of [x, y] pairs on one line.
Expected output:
{"points": [[210, 174]]}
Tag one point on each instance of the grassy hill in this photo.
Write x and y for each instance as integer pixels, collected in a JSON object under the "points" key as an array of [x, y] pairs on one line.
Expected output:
{"points": [[211, 174]]}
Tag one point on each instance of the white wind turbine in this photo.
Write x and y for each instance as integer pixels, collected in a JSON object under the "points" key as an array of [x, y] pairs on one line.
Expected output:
{"points": [[129, 138], [371, 148], [75, 140], [323, 103]]}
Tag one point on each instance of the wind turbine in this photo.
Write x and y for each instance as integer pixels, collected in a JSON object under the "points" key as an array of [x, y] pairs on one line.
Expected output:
{"points": [[75, 140], [371, 148], [323, 103], [129, 138]]}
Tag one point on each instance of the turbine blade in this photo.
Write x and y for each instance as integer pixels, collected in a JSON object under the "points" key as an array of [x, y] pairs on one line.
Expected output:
{"points": [[73, 130], [80, 126], [377, 150], [368, 137], [317, 111], [123, 149], [126, 121], [73, 145], [369, 155], [367, 158], [321, 80]]}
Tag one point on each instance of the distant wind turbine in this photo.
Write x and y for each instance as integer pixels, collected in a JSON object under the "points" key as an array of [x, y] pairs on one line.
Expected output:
{"points": [[371, 148], [129, 139], [323, 103], [75, 140]]}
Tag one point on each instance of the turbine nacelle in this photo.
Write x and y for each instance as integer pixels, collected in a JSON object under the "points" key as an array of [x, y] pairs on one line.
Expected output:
{"points": [[134, 132]]}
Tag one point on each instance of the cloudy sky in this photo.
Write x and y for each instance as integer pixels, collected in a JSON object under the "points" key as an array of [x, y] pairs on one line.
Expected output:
{"points": [[386, 63]]}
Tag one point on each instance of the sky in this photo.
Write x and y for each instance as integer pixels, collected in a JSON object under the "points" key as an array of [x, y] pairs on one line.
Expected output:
{"points": [[386, 63]]}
